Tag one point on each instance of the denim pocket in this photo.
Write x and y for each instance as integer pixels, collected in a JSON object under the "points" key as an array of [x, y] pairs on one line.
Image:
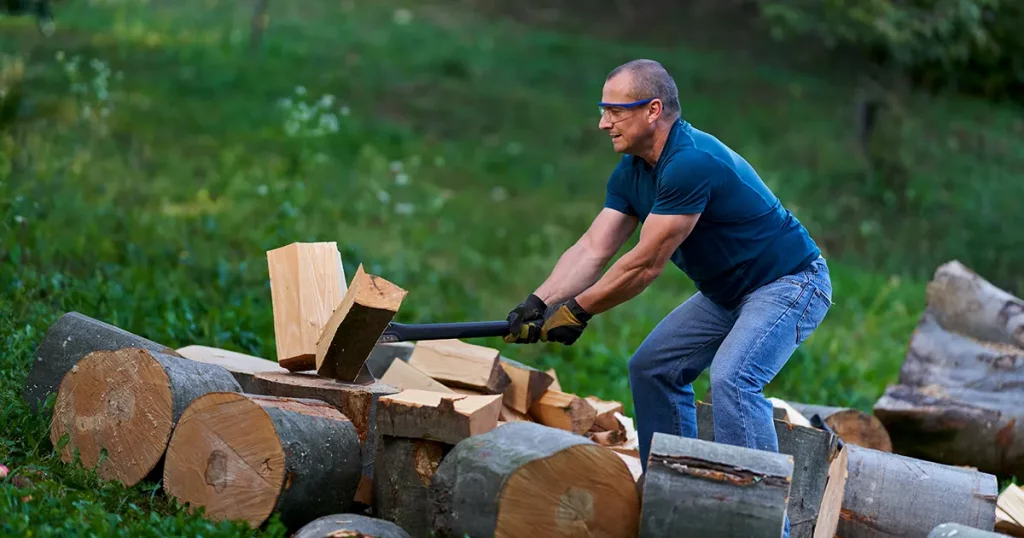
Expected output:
{"points": [[817, 307]]}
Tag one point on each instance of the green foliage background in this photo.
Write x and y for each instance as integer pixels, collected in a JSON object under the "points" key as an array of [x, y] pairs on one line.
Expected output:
{"points": [[149, 159]]}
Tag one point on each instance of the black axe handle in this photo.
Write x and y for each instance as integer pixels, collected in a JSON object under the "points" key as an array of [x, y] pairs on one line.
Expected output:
{"points": [[407, 332]]}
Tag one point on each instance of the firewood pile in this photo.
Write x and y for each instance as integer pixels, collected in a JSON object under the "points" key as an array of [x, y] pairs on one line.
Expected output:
{"points": [[345, 436]]}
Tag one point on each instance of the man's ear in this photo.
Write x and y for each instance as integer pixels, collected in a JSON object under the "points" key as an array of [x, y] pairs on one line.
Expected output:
{"points": [[655, 111]]}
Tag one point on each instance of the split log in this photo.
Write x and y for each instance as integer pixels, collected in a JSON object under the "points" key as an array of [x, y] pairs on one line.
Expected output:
{"points": [[351, 333], [851, 425], [957, 401], [127, 402], [73, 336], [404, 376], [564, 411], [357, 402], [949, 530], [448, 418], [693, 488], [604, 416], [241, 365], [352, 526], [888, 494], [307, 283], [526, 384], [246, 456], [555, 385], [384, 354], [404, 468], [459, 364], [815, 495], [508, 414], [526, 479], [1010, 511]]}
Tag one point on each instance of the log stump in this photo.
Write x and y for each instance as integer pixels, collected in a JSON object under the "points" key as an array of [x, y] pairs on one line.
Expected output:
{"points": [[401, 483], [892, 495], [526, 479], [695, 487], [73, 336], [126, 403], [246, 456], [350, 526]]}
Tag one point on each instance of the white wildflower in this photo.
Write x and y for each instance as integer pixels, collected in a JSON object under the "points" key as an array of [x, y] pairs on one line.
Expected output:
{"points": [[403, 16]]}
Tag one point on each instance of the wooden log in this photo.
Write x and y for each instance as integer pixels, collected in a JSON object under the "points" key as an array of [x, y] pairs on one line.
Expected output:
{"points": [[851, 425], [459, 364], [815, 495], [307, 283], [384, 354], [526, 384], [448, 418], [404, 469], [246, 456], [695, 487], [73, 336], [357, 402], [555, 385], [888, 494], [126, 403], [957, 401], [604, 416], [1010, 511], [242, 366], [526, 479], [949, 530], [965, 302], [404, 376], [508, 414], [351, 333], [564, 411], [352, 526], [1008, 525]]}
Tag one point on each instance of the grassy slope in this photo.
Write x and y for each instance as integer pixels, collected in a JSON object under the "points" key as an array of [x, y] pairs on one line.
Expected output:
{"points": [[158, 219]]}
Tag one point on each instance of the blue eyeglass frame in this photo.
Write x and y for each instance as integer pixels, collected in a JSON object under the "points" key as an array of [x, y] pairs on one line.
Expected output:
{"points": [[634, 104]]}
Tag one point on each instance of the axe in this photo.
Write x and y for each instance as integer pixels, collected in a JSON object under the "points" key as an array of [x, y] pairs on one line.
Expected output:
{"points": [[405, 332]]}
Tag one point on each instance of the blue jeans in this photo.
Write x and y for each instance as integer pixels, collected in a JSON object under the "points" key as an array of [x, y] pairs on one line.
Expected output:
{"points": [[745, 348]]}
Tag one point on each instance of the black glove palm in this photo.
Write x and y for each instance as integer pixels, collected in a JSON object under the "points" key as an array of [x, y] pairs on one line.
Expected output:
{"points": [[521, 330]]}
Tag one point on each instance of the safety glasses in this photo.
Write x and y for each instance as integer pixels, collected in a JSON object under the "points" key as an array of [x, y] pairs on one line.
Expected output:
{"points": [[615, 111]]}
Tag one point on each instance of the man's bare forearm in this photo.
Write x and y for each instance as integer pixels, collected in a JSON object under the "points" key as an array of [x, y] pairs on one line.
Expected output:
{"points": [[576, 270], [625, 279]]}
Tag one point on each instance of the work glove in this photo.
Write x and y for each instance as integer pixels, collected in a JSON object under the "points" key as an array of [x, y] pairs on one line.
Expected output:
{"points": [[524, 321], [564, 323]]}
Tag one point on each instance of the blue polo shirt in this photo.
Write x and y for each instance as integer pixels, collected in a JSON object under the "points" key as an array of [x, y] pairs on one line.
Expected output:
{"points": [[744, 237]]}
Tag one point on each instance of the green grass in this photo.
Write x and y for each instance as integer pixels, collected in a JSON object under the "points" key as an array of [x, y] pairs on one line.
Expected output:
{"points": [[158, 217]]}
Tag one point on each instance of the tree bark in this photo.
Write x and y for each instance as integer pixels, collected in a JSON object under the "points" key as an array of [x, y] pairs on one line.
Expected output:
{"points": [[126, 403], [351, 526], [404, 468], [892, 495], [949, 530], [68, 339], [813, 505], [246, 456], [965, 302], [695, 487], [957, 401], [526, 479], [357, 402], [851, 425]]}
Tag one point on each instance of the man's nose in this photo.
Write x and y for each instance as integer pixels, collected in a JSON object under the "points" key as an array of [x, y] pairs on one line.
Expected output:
{"points": [[603, 123]]}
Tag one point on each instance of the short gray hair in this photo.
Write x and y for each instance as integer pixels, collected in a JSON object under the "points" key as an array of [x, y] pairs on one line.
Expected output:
{"points": [[650, 79]]}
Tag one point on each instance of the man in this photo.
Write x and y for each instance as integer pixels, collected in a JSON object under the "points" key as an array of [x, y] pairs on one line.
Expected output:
{"points": [[763, 286]]}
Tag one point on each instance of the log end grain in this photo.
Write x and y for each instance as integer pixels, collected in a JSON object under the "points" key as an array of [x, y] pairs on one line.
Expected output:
{"points": [[244, 456], [120, 402], [526, 479]]}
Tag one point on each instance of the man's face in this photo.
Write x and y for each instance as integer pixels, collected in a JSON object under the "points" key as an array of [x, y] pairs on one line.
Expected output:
{"points": [[628, 127]]}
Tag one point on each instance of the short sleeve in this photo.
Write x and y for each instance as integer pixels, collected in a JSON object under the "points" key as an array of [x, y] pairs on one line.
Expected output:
{"points": [[685, 186], [615, 195]]}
